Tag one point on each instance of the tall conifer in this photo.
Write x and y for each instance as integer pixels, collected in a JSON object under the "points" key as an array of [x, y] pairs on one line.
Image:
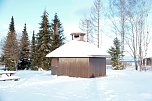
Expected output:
{"points": [[43, 42], [58, 35], [33, 52], [24, 54], [10, 48]]}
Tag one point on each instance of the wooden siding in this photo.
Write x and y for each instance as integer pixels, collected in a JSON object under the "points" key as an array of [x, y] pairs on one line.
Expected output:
{"points": [[55, 62], [79, 67], [98, 67], [147, 61], [74, 67], [54, 65]]}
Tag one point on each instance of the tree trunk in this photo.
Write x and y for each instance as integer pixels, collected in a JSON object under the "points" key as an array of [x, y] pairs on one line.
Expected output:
{"points": [[136, 62]]}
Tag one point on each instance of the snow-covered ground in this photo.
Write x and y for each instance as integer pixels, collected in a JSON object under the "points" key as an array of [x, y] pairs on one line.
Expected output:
{"points": [[123, 85]]}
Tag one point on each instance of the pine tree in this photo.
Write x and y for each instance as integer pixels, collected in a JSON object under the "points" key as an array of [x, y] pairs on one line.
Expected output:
{"points": [[24, 54], [57, 36], [43, 43], [115, 53], [33, 52], [11, 26], [10, 48]]}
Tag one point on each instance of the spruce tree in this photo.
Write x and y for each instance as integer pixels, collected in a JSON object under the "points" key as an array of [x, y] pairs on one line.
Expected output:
{"points": [[33, 52], [115, 53], [57, 36], [43, 43], [11, 25], [24, 54], [10, 48]]}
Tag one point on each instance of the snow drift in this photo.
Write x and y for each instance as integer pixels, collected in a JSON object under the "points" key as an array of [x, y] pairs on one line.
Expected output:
{"points": [[124, 85]]}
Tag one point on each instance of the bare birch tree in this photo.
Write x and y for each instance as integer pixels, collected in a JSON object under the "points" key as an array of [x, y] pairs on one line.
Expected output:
{"points": [[118, 16], [86, 26], [129, 21], [138, 38], [96, 11]]}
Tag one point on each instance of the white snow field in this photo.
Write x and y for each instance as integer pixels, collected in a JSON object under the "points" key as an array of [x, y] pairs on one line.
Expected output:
{"points": [[118, 85]]}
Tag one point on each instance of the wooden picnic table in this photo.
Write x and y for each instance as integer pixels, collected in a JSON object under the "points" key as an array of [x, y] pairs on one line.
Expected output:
{"points": [[8, 75]]}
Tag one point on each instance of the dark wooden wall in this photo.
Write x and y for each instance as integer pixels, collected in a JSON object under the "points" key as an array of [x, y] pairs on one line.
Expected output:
{"points": [[54, 65], [74, 67], [147, 61], [79, 67], [98, 66]]}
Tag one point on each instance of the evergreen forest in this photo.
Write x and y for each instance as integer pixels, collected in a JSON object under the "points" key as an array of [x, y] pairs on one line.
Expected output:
{"points": [[24, 54]]}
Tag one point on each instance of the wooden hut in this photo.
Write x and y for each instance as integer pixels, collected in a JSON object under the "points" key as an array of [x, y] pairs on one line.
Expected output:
{"points": [[78, 58], [147, 61]]}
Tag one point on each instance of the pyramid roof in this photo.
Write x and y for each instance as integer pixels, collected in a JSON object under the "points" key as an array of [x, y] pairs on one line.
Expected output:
{"points": [[76, 48]]}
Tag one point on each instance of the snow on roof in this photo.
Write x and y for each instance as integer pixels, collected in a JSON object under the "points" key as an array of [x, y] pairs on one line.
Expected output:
{"points": [[76, 48]]}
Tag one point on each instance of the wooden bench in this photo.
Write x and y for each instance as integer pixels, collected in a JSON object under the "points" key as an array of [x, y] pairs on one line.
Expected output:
{"points": [[8, 75]]}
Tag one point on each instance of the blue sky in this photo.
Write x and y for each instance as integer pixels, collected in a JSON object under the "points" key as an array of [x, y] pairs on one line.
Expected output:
{"points": [[30, 11], [69, 11]]}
